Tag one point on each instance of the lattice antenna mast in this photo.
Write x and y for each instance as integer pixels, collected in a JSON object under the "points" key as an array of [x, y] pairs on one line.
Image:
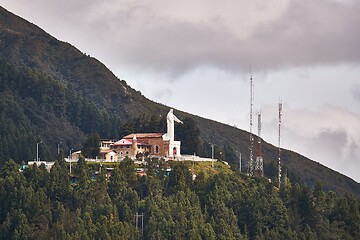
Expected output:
{"points": [[279, 163], [259, 162], [259, 127], [251, 161]]}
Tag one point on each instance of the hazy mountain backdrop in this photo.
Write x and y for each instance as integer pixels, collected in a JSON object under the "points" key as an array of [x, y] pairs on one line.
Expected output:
{"points": [[52, 92]]}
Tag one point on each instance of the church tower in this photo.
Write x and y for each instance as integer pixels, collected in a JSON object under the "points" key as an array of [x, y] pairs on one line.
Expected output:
{"points": [[134, 145]]}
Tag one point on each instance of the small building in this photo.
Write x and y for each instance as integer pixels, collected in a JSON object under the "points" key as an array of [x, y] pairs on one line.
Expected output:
{"points": [[156, 146], [131, 147], [48, 165], [105, 144], [150, 144], [137, 145], [75, 156], [108, 155]]}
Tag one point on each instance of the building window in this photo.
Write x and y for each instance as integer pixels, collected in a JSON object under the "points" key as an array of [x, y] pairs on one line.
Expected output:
{"points": [[156, 148], [174, 151], [127, 153]]}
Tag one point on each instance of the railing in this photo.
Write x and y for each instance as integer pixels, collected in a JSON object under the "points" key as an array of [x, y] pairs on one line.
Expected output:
{"points": [[177, 158]]}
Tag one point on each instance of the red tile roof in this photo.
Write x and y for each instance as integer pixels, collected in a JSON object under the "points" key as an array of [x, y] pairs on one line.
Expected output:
{"points": [[126, 142], [144, 135], [123, 142]]}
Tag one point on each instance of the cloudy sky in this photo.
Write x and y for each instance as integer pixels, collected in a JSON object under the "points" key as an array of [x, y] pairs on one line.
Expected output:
{"points": [[196, 56]]}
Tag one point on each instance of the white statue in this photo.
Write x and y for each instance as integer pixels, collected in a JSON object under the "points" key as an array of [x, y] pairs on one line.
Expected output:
{"points": [[171, 118]]}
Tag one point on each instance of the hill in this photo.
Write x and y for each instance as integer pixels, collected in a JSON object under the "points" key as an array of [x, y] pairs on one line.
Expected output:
{"points": [[52, 92]]}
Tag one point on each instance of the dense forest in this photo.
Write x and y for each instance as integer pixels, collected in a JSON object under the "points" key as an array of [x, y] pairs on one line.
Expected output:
{"points": [[37, 204]]}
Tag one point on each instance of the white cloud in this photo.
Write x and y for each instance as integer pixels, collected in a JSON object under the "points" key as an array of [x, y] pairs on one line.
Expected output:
{"points": [[330, 135], [178, 37]]}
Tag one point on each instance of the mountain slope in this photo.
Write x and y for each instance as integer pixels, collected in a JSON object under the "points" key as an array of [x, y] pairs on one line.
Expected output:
{"points": [[52, 92]]}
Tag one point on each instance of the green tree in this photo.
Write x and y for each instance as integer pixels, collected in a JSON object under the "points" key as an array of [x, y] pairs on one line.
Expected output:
{"points": [[125, 198], [127, 167], [10, 168], [16, 226], [59, 185], [81, 170], [307, 209], [91, 147], [189, 135], [180, 178]]}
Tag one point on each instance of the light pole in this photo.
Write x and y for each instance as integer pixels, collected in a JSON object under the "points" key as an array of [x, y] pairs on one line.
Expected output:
{"points": [[37, 152], [193, 171], [58, 148], [239, 161], [212, 155], [70, 158]]}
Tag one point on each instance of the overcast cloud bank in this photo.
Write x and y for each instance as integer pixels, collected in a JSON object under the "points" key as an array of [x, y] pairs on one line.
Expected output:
{"points": [[196, 56]]}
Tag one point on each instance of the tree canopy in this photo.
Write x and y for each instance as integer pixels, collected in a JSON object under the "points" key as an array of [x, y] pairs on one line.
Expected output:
{"points": [[37, 204]]}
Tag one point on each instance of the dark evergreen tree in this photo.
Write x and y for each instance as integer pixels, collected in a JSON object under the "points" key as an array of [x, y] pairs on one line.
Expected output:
{"points": [[91, 147], [189, 135], [42, 205], [180, 178]]}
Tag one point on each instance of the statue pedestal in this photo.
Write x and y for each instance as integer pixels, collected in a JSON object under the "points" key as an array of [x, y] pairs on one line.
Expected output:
{"points": [[174, 149]]}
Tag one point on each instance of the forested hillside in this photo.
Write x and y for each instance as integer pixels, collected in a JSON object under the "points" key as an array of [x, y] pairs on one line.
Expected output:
{"points": [[51, 92], [36, 204]]}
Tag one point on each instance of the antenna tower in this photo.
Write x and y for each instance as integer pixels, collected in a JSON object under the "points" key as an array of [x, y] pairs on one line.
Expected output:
{"points": [[279, 163], [259, 163], [251, 162]]}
